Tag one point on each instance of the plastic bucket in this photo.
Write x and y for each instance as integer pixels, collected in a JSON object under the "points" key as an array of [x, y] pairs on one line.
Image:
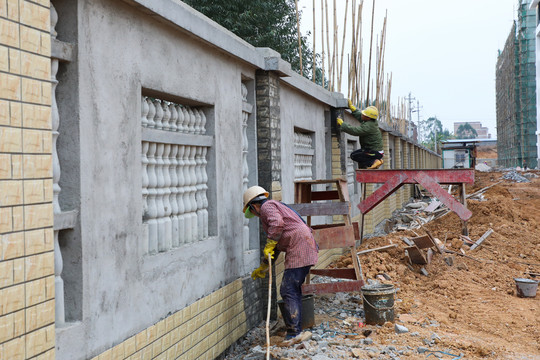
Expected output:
{"points": [[378, 303], [526, 287], [308, 311]]}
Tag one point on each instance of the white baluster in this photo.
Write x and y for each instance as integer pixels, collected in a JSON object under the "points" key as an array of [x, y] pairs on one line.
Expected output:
{"points": [[174, 193], [167, 240], [245, 173], [144, 112], [205, 188], [180, 197], [198, 194], [203, 122], [144, 160], [158, 119], [197, 124], [185, 124], [151, 113], [180, 122], [174, 117], [166, 115], [152, 203], [191, 124], [192, 192], [188, 230], [160, 195]]}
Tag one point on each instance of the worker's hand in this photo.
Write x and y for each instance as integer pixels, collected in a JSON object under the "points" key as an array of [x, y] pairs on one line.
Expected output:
{"points": [[339, 121], [269, 248], [260, 272], [351, 106]]}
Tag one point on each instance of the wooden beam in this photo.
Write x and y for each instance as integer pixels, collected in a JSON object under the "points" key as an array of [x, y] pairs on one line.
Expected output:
{"points": [[479, 241], [377, 249]]}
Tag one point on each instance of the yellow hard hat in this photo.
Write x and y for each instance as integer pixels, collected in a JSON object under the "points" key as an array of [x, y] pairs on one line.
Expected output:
{"points": [[371, 112], [252, 193]]}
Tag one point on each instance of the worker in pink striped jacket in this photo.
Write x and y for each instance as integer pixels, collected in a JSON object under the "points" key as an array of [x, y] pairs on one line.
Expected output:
{"points": [[287, 232]]}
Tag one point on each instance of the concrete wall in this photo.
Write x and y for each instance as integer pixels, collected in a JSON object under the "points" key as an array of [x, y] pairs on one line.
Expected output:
{"points": [[26, 188]]}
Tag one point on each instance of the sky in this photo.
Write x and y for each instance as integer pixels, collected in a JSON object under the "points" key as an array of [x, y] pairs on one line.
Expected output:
{"points": [[442, 52]]}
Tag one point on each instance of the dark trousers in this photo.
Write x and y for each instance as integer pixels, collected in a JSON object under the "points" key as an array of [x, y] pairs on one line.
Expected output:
{"points": [[365, 158], [291, 293]]}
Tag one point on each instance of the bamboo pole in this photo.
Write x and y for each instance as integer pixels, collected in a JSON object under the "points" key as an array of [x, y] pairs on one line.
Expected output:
{"points": [[352, 66], [322, 42], [340, 71], [299, 38], [269, 306], [370, 51], [314, 60], [334, 50], [359, 45], [327, 41]]}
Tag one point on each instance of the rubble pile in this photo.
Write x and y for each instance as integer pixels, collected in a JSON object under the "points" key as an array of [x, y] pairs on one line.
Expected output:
{"points": [[514, 176]]}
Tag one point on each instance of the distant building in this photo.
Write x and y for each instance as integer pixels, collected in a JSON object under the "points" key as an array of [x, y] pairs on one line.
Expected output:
{"points": [[466, 153], [482, 131], [535, 8], [516, 92]]}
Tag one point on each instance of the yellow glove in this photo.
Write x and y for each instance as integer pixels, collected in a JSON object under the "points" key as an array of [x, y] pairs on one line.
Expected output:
{"points": [[339, 121], [260, 272], [269, 248], [351, 106]]}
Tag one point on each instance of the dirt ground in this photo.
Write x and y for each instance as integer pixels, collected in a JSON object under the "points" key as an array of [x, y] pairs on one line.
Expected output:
{"points": [[474, 301]]}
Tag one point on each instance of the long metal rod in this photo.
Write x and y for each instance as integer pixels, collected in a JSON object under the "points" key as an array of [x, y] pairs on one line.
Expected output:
{"points": [[269, 306]]}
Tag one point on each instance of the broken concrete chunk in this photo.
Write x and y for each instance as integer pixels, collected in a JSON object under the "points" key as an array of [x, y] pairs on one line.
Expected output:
{"points": [[400, 329]]}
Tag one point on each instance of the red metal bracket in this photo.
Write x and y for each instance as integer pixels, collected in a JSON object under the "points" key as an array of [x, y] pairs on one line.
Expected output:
{"points": [[430, 179]]}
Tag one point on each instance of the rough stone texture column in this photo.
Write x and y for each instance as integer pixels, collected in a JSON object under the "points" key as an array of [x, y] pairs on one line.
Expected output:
{"points": [[268, 149], [27, 327]]}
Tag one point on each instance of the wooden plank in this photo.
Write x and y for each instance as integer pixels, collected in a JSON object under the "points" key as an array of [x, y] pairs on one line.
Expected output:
{"points": [[407, 241], [432, 206], [423, 242], [439, 249], [334, 237], [324, 195], [481, 240], [330, 288], [377, 249], [335, 273], [415, 254], [321, 209]]}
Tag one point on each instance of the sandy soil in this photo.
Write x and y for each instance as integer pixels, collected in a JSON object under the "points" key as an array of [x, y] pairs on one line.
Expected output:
{"points": [[474, 301]]}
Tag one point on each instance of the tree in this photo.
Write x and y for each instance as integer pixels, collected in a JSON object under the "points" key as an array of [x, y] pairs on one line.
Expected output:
{"points": [[262, 23], [466, 131], [433, 130]]}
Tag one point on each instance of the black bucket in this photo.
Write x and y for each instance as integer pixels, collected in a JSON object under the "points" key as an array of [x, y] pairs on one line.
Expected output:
{"points": [[308, 311], [378, 302]]}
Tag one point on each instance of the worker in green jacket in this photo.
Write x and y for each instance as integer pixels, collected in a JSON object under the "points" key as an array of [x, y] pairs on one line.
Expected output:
{"points": [[370, 154]]}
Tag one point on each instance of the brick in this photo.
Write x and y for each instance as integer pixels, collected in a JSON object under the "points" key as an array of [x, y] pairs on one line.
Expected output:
{"points": [[4, 58], [35, 66], [6, 273], [13, 9], [46, 142], [11, 245], [14, 61], [4, 112], [6, 220], [46, 91], [45, 44], [33, 191], [32, 141], [39, 265], [129, 346], [11, 86], [37, 241], [49, 355], [3, 13], [18, 323], [38, 216], [18, 270], [36, 116], [39, 341], [117, 352], [15, 349], [141, 340], [31, 90], [18, 218], [34, 15], [39, 315], [9, 33], [35, 292], [37, 166], [6, 327], [10, 139], [11, 193], [30, 39], [16, 114], [5, 167]]}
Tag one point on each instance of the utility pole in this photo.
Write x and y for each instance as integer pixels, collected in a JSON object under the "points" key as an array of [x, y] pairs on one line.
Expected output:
{"points": [[410, 100], [419, 127]]}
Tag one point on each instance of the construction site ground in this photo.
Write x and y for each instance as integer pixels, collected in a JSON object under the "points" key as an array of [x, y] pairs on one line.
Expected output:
{"points": [[467, 310]]}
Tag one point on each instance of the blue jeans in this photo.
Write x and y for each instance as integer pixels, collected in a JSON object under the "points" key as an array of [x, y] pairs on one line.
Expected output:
{"points": [[291, 293]]}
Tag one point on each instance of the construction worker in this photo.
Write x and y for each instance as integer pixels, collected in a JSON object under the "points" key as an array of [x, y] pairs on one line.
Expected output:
{"points": [[287, 232], [370, 154]]}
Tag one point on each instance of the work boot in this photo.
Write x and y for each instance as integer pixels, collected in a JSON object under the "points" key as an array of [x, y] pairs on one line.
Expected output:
{"points": [[376, 164]]}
